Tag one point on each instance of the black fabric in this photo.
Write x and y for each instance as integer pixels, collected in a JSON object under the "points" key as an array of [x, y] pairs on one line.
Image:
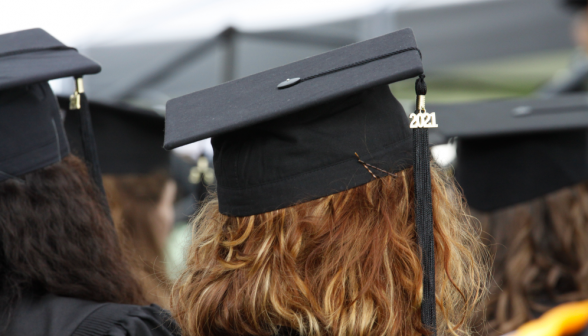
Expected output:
{"points": [[267, 157], [309, 155], [79, 130], [48, 315], [511, 151], [255, 99], [32, 50], [423, 208], [57, 61], [28, 121], [575, 4], [101, 320], [358, 63], [129, 140], [31, 130], [508, 117], [89, 145], [497, 172], [51, 315], [125, 320]]}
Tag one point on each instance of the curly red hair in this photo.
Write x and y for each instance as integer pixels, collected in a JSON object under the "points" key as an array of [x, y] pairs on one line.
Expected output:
{"points": [[345, 264]]}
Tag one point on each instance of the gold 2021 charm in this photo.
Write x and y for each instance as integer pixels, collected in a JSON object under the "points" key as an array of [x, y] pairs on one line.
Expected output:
{"points": [[423, 120]]}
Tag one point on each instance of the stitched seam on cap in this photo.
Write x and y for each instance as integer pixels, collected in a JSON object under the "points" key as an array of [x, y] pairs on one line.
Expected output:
{"points": [[359, 63], [34, 50], [317, 169]]}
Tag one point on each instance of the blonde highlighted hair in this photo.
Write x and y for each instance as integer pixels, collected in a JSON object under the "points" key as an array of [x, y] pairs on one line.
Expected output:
{"points": [[345, 264]]}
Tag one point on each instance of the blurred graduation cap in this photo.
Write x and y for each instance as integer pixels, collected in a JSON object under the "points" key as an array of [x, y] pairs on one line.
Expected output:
{"points": [[289, 135], [31, 130], [511, 151], [575, 4], [129, 140]]}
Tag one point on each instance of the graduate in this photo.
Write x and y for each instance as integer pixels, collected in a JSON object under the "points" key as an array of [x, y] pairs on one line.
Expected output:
{"points": [[523, 167], [60, 260], [138, 186], [329, 217]]}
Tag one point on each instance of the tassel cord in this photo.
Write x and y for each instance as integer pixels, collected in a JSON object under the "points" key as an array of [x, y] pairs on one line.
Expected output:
{"points": [[424, 216], [82, 123]]}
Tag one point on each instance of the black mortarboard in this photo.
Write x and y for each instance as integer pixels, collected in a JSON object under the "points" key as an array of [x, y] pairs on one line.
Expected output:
{"points": [[129, 140], [290, 134], [575, 4], [512, 151], [31, 130]]}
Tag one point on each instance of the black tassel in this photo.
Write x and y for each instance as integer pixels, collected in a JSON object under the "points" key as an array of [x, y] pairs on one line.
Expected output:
{"points": [[424, 214], [80, 115], [89, 143]]}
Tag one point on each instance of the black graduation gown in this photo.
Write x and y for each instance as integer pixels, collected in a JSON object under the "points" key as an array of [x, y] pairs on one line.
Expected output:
{"points": [[51, 315]]}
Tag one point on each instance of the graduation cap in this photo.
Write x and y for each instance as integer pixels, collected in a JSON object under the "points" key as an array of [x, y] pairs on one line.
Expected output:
{"points": [[289, 135], [128, 139], [575, 4], [511, 151], [31, 130]]}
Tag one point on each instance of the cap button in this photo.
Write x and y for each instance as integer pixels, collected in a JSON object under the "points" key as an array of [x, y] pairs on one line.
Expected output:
{"points": [[288, 82]]}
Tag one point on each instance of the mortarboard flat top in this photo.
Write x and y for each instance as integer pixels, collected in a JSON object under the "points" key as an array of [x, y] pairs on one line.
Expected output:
{"points": [[254, 99], [276, 147], [129, 139], [512, 151], [512, 116], [33, 56]]}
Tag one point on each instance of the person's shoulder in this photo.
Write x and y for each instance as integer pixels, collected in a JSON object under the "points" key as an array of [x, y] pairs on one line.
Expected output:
{"points": [[50, 315], [119, 319]]}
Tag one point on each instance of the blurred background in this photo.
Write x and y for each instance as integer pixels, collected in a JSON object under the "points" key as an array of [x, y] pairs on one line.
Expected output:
{"points": [[152, 51]]}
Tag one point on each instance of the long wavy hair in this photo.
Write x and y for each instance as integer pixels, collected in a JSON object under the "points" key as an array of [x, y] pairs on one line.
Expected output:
{"points": [[132, 200], [55, 237], [345, 264], [540, 250]]}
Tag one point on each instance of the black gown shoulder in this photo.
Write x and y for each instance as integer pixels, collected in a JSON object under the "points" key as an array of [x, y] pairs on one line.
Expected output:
{"points": [[51, 315]]}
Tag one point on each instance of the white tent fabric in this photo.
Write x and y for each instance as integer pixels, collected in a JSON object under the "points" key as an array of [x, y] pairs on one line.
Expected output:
{"points": [[206, 18], [108, 22], [76, 22]]}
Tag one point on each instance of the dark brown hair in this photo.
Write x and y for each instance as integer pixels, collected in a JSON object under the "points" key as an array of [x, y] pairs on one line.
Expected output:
{"points": [[345, 264], [541, 257], [56, 238], [132, 199]]}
